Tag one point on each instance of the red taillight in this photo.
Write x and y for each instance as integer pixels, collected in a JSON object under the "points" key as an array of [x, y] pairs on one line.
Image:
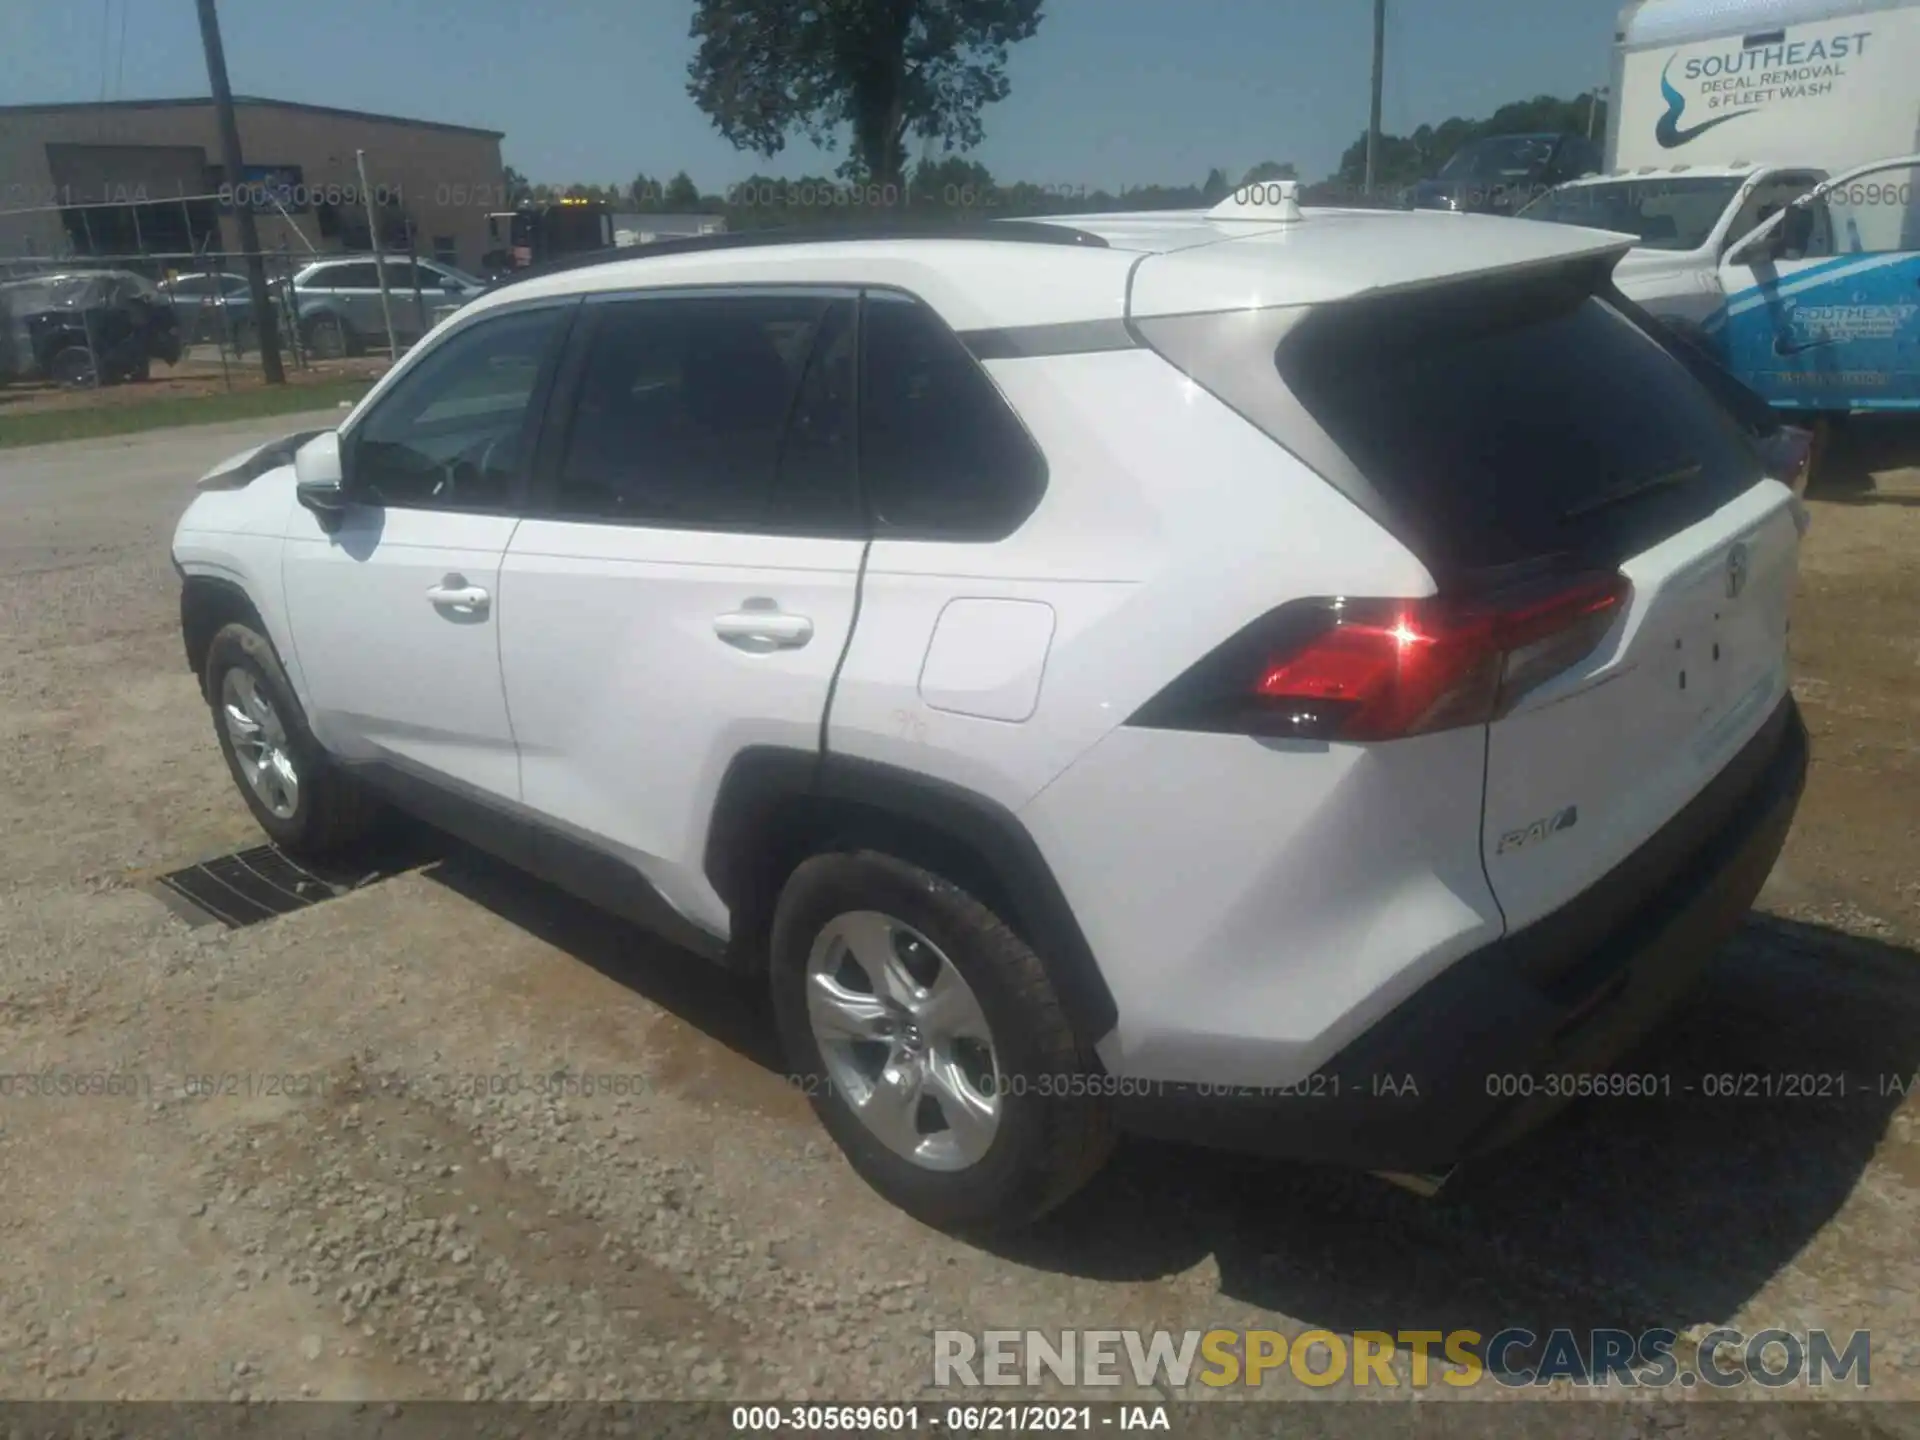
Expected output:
{"points": [[1380, 669]]}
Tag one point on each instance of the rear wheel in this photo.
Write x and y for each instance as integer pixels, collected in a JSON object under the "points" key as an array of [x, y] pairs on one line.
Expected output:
{"points": [[1828, 428], [931, 1044], [327, 338], [73, 369], [305, 803]]}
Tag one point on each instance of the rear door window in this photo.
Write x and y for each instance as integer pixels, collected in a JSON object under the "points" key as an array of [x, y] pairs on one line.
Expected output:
{"points": [[358, 276], [1508, 421], [715, 412]]}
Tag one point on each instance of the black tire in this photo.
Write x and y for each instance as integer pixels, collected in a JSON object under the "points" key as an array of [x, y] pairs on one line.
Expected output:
{"points": [[333, 810], [1824, 429], [1050, 1140], [73, 369], [328, 338]]}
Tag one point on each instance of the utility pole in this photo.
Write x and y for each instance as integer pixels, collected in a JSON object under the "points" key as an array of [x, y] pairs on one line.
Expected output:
{"points": [[1379, 76], [379, 260], [270, 368]]}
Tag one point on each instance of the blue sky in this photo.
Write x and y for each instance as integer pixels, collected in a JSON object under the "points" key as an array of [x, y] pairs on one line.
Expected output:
{"points": [[1109, 92]]}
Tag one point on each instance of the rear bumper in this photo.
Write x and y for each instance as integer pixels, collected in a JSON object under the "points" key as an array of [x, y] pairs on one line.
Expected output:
{"points": [[1483, 1053]]}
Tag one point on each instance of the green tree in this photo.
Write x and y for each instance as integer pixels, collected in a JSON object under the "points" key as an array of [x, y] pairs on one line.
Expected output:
{"points": [[645, 193], [1270, 170], [764, 70], [682, 194], [514, 185]]}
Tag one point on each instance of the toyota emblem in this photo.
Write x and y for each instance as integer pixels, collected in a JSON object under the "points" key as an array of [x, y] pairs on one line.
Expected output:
{"points": [[1738, 563]]}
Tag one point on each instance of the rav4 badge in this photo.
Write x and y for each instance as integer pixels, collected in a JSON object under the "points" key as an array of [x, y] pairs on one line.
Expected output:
{"points": [[1539, 830]]}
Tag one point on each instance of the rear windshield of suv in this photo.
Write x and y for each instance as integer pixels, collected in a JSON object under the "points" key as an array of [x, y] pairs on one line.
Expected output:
{"points": [[1504, 422]]}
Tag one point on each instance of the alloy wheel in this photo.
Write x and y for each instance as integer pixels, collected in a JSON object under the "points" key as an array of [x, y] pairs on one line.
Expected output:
{"points": [[904, 1040], [259, 740]]}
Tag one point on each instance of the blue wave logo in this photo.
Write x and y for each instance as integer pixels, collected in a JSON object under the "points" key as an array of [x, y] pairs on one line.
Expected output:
{"points": [[1668, 131]]}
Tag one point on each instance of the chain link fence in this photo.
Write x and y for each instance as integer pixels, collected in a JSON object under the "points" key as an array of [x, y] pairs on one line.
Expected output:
{"points": [[92, 310]]}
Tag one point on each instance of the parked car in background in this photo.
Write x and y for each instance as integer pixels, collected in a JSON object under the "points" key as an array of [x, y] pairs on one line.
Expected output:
{"points": [[1804, 286], [85, 328], [1683, 218], [211, 307], [339, 308], [1501, 173]]}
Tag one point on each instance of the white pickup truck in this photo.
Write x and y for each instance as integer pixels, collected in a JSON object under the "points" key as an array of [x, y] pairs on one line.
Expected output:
{"points": [[1805, 286], [1687, 218]]}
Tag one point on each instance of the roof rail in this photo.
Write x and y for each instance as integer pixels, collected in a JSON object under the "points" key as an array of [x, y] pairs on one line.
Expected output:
{"points": [[1031, 232]]}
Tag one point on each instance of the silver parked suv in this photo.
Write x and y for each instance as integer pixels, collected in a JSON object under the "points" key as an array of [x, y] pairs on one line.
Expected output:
{"points": [[338, 301]]}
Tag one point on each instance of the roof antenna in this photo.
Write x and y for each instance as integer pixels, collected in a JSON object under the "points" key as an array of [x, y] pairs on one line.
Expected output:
{"points": [[1273, 202]]}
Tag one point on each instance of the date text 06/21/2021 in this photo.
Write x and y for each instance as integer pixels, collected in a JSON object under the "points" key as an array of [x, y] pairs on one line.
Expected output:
{"points": [[971, 1419]]}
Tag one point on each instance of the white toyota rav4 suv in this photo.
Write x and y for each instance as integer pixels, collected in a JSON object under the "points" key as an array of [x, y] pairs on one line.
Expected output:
{"points": [[1302, 681]]}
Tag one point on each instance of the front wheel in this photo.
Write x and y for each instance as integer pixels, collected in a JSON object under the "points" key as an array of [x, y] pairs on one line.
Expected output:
{"points": [[73, 369], [931, 1044], [305, 803]]}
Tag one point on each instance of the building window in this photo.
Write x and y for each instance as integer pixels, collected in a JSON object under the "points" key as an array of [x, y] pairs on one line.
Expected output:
{"points": [[445, 251]]}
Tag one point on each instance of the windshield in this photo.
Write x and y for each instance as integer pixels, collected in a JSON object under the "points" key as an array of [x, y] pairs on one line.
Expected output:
{"points": [[1503, 157], [1662, 214]]}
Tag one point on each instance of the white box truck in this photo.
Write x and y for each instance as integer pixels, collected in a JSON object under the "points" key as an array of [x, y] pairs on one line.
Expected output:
{"points": [[1827, 83]]}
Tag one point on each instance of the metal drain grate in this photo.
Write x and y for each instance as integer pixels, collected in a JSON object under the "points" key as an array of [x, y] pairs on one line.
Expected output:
{"points": [[250, 886]]}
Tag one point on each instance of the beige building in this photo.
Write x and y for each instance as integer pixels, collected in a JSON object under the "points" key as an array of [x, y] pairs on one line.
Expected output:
{"points": [[143, 177]]}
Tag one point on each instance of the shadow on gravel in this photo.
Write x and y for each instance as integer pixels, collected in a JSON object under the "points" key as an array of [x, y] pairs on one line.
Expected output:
{"points": [[724, 1006], [1637, 1213]]}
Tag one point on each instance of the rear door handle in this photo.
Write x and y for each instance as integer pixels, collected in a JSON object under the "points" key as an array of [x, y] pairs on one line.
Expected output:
{"points": [[456, 594], [762, 630]]}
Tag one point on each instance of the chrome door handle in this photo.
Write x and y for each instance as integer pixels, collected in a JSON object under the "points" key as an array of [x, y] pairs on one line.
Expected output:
{"points": [[763, 630], [455, 594]]}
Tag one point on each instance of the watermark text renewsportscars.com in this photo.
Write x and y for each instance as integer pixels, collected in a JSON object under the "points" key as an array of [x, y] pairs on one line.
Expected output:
{"points": [[1378, 1359]]}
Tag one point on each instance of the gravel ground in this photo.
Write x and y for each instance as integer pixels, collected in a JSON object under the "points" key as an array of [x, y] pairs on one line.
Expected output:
{"points": [[344, 1176]]}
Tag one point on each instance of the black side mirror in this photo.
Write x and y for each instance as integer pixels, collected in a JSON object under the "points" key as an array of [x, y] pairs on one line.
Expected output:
{"points": [[326, 500], [319, 472]]}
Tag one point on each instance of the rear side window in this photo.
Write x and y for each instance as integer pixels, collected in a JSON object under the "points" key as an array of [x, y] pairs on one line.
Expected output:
{"points": [[942, 457], [1511, 421], [345, 277]]}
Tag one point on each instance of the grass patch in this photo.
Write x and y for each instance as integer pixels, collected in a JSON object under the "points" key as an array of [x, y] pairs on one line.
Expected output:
{"points": [[40, 427]]}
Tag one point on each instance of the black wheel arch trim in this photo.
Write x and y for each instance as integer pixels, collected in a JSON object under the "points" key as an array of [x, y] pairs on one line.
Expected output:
{"points": [[763, 780], [198, 605]]}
